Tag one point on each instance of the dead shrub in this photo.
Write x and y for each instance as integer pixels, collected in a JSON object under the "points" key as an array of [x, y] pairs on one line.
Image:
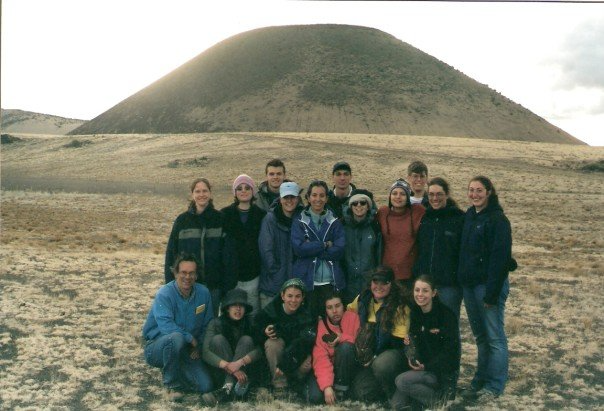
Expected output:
{"points": [[75, 143], [514, 325]]}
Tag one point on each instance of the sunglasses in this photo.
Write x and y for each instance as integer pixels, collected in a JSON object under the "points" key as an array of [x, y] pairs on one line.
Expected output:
{"points": [[357, 203]]}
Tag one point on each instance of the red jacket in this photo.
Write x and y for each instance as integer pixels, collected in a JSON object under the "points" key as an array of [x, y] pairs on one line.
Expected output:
{"points": [[322, 353], [400, 249]]}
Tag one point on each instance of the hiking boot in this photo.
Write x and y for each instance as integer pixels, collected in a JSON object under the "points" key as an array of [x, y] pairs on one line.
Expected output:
{"points": [[173, 396], [215, 397], [468, 394]]}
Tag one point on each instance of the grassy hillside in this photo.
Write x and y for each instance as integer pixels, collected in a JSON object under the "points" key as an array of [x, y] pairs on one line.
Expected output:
{"points": [[322, 78], [86, 220], [19, 121]]}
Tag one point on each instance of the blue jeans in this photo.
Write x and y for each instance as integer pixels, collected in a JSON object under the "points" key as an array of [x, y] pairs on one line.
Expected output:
{"points": [[344, 368], [451, 296], [491, 341], [180, 372]]}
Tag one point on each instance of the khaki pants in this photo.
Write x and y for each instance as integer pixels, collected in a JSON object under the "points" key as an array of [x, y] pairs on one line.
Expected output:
{"points": [[273, 348]]}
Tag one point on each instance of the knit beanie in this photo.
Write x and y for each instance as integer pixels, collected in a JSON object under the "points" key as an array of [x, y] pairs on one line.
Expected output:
{"points": [[244, 179], [401, 183], [359, 197]]}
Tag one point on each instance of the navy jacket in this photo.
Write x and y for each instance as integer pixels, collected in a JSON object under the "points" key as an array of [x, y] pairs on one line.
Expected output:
{"points": [[438, 241], [308, 243], [203, 236], [276, 252], [243, 240], [486, 250]]}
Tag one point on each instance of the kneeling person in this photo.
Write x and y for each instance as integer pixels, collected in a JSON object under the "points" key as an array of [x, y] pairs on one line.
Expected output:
{"points": [[286, 329], [334, 361], [175, 328]]}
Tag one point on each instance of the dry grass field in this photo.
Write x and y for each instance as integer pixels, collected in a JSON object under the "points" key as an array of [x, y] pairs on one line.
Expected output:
{"points": [[84, 227]]}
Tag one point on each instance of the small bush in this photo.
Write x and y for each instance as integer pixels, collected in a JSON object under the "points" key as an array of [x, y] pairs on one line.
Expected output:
{"points": [[190, 162], [75, 143], [596, 166], [8, 139], [593, 166]]}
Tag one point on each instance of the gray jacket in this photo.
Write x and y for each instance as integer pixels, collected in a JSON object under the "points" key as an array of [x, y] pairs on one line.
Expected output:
{"points": [[362, 252]]}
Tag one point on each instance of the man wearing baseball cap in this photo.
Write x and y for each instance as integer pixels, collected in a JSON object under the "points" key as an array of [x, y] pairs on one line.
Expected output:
{"points": [[342, 187]]}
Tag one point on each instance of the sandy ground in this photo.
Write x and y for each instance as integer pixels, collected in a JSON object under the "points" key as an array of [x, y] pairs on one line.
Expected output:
{"points": [[84, 232]]}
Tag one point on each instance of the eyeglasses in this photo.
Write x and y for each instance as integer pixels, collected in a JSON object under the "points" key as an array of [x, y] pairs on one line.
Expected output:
{"points": [[358, 203], [436, 195]]}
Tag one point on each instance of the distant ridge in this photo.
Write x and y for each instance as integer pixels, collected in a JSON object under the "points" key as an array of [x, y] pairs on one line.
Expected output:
{"points": [[322, 78], [20, 121]]}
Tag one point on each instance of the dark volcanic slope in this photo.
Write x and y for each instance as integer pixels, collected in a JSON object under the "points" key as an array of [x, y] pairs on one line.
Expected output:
{"points": [[322, 78]]}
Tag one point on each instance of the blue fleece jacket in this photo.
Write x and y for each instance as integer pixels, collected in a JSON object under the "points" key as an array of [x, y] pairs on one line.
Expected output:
{"points": [[171, 312], [309, 241]]}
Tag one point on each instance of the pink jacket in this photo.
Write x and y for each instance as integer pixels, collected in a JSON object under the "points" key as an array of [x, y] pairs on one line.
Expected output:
{"points": [[322, 353]]}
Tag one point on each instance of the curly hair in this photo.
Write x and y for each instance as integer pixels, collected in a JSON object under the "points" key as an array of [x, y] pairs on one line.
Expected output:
{"points": [[396, 300]]}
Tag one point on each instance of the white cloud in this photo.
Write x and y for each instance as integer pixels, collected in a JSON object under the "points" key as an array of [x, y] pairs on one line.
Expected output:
{"points": [[581, 57]]}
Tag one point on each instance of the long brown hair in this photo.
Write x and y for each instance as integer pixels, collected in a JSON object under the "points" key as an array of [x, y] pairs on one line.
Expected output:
{"points": [[395, 300]]}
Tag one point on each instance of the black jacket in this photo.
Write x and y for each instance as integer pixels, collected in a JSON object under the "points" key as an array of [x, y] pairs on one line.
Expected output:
{"points": [[486, 250], [336, 204], [243, 239], [289, 327], [203, 236], [438, 241], [436, 339]]}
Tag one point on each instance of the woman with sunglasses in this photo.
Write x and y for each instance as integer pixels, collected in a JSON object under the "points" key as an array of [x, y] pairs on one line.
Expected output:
{"points": [[363, 240], [242, 222], [383, 310], [438, 240]]}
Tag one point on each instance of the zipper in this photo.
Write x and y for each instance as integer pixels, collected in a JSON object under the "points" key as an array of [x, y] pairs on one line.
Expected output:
{"points": [[433, 242]]}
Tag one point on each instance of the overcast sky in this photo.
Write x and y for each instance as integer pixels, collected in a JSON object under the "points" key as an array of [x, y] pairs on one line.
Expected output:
{"points": [[78, 58]]}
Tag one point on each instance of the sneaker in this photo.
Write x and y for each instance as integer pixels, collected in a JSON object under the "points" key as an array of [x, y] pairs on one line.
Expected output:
{"points": [[485, 396], [212, 398], [241, 389], [173, 396]]}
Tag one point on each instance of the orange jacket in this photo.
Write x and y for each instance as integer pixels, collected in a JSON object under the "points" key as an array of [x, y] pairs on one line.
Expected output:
{"points": [[398, 238], [322, 353]]}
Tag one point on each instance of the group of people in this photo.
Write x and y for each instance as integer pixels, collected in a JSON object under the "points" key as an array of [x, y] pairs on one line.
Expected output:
{"points": [[336, 298]]}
